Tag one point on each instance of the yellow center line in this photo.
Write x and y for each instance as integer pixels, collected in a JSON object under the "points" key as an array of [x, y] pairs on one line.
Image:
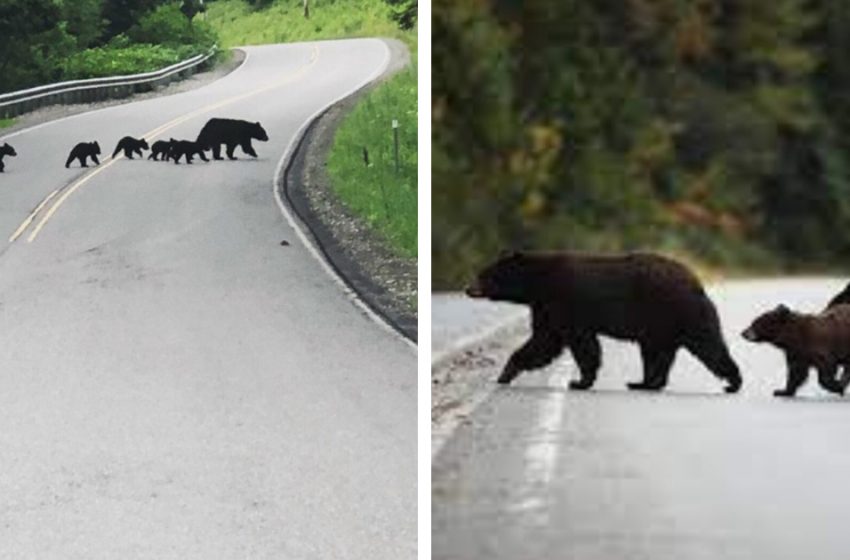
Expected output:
{"points": [[151, 135], [32, 215]]}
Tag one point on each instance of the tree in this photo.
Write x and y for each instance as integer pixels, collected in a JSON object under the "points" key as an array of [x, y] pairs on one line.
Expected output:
{"points": [[23, 25]]}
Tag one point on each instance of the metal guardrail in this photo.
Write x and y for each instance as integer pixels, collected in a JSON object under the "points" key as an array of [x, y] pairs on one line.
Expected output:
{"points": [[97, 89]]}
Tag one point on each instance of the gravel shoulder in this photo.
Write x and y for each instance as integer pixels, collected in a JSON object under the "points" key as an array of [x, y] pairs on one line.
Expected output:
{"points": [[386, 281], [195, 81]]}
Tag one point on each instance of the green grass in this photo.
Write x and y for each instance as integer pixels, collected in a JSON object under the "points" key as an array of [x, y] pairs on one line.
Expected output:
{"points": [[386, 199], [282, 22], [5, 123]]}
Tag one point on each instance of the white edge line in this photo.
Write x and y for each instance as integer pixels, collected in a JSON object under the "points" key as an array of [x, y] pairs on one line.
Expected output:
{"points": [[294, 222], [128, 100]]}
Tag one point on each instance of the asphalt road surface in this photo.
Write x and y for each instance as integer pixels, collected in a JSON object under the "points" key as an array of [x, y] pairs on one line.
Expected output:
{"points": [[175, 383], [539, 472]]}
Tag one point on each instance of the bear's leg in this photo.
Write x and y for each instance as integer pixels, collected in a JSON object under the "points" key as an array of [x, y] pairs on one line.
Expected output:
{"points": [[828, 378], [657, 361], [94, 157], [83, 160], [202, 155], [2, 165], [230, 148], [128, 153], [247, 148], [844, 377], [537, 352], [216, 150], [588, 356], [712, 351], [152, 156], [798, 371]]}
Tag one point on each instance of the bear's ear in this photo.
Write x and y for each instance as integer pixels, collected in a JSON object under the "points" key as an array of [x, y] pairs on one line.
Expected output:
{"points": [[782, 310]]}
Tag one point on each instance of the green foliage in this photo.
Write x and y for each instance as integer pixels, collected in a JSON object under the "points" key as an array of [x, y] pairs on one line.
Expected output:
{"points": [[6, 123], [133, 59], [405, 12], [237, 23], [84, 21], [44, 41], [388, 200], [696, 127], [166, 25], [121, 15]]}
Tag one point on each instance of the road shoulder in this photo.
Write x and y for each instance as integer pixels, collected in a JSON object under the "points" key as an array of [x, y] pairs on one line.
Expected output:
{"points": [[385, 281]]}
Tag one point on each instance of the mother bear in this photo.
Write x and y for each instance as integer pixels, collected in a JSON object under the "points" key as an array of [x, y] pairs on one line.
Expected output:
{"points": [[232, 133], [640, 297]]}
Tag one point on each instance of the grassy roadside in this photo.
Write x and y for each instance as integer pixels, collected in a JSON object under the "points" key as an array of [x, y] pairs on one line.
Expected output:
{"points": [[6, 123], [386, 199]]}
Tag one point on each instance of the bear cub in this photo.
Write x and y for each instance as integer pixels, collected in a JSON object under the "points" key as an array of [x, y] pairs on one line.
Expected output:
{"points": [[130, 146], [185, 148], [6, 150], [820, 340], [640, 297], [161, 148], [82, 151], [231, 133]]}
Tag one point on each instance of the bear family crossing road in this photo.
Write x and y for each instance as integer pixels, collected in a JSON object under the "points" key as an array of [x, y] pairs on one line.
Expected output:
{"points": [[217, 131], [659, 304], [537, 471], [175, 383]]}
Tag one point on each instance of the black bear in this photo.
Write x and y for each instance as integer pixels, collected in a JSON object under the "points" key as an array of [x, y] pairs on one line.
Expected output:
{"points": [[82, 151], [640, 297], [821, 341], [130, 146], [185, 148], [231, 133], [6, 150], [161, 148]]}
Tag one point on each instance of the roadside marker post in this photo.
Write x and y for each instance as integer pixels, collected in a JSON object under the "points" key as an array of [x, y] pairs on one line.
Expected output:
{"points": [[395, 143]]}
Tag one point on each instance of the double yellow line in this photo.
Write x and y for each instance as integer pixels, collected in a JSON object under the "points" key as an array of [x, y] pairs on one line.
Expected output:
{"points": [[66, 191]]}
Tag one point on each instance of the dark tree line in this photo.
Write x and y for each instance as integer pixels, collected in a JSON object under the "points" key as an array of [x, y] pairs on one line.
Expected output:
{"points": [[38, 36], [718, 128]]}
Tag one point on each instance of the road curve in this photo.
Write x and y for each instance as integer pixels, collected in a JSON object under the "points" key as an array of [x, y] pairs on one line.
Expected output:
{"points": [[174, 382], [539, 472]]}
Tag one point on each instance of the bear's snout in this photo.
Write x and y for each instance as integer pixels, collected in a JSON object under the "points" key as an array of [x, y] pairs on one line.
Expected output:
{"points": [[750, 335], [475, 290]]}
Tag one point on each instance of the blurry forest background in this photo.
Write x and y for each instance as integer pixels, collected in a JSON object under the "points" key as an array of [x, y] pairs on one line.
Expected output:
{"points": [[714, 130]]}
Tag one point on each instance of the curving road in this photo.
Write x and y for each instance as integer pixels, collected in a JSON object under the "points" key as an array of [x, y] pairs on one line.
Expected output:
{"points": [[539, 472], [175, 383]]}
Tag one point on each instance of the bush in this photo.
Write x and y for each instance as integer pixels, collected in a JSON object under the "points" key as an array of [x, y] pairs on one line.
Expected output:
{"points": [[133, 59], [166, 25]]}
